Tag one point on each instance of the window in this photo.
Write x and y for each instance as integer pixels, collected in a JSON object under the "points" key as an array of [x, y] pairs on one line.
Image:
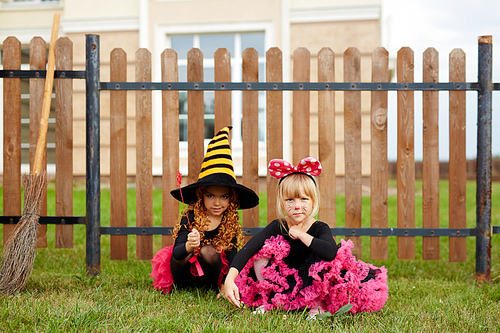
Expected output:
{"points": [[30, 4], [208, 43], [32, 1]]}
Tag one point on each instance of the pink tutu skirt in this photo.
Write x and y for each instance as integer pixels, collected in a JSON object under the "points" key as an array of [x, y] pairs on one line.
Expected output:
{"points": [[335, 283], [162, 273]]}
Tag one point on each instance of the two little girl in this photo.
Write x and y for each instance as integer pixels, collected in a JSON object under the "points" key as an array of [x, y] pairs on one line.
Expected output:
{"points": [[293, 263]]}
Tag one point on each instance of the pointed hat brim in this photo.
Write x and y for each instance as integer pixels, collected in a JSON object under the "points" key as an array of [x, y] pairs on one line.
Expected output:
{"points": [[246, 197]]}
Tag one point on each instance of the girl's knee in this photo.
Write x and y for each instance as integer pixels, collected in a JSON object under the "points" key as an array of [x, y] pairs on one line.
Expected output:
{"points": [[209, 254], [258, 265]]}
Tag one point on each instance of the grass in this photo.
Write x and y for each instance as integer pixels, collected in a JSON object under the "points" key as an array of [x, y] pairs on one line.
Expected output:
{"points": [[424, 296]]}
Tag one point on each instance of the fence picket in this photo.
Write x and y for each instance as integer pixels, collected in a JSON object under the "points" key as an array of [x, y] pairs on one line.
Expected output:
{"points": [[196, 122], [406, 155], [170, 133], [301, 105], [430, 160], [379, 164], [352, 146], [326, 144], [144, 142], [64, 142], [11, 134], [222, 99], [274, 124], [457, 158], [250, 134], [118, 158], [38, 59]]}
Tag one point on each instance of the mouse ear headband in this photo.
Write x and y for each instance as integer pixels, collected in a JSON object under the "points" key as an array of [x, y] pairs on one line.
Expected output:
{"points": [[280, 168]]}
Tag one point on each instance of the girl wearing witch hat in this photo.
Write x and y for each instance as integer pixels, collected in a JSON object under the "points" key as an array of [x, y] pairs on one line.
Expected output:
{"points": [[209, 235]]}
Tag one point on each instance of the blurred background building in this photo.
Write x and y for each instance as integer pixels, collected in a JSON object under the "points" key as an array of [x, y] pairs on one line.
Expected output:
{"points": [[207, 25]]}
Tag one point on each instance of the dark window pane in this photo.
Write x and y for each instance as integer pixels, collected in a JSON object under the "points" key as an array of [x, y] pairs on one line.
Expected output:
{"points": [[183, 130], [209, 100], [209, 128], [183, 102]]}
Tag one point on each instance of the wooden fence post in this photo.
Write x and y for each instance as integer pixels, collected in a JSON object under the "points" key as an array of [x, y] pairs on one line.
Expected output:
{"points": [[170, 134], [196, 116], [64, 142], [222, 99], [274, 124], [11, 134], [457, 159], [250, 134], [144, 153], [118, 155], [352, 146], [406, 155], [379, 164], [326, 137], [301, 105], [430, 161]]}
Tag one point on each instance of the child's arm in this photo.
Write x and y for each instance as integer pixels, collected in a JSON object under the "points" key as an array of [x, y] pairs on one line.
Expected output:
{"points": [[322, 243]]}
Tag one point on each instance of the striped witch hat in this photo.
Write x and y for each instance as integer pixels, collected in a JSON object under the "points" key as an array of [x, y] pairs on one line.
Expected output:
{"points": [[217, 170]]}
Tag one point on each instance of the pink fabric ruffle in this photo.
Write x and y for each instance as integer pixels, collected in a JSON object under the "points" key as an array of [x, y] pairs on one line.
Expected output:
{"points": [[335, 283], [162, 273]]}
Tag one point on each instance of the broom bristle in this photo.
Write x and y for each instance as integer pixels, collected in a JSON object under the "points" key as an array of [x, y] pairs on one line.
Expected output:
{"points": [[20, 249]]}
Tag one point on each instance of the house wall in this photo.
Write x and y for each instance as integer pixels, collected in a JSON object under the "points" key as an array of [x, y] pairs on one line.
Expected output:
{"points": [[130, 24]]}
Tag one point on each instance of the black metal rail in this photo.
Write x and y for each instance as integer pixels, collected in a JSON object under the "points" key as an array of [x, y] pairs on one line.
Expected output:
{"points": [[374, 232]]}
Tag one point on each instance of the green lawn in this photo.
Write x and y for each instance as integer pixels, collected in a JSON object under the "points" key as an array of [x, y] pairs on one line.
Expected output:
{"points": [[424, 296]]}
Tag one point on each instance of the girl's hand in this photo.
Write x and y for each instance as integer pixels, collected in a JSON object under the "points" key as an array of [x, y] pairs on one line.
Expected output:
{"points": [[193, 241], [295, 232], [230, 291]]}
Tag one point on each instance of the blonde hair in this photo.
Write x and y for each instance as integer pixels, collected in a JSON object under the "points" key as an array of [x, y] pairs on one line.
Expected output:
{"points": [[294, 186], [229, 227]]}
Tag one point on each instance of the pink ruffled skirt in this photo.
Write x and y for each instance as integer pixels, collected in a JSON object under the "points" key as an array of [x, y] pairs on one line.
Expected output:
{"points": [[335, 283], [162, 273]]}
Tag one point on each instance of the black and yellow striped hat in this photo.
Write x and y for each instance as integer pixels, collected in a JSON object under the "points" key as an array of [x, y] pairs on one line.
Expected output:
{"points": [[217, 170]]}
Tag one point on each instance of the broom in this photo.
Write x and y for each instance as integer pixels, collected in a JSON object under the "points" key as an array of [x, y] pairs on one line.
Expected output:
{"points": [[20, 249]]}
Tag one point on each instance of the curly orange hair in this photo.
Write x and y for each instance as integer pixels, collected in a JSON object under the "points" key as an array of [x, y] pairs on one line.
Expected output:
{"points": [[229, 227]]}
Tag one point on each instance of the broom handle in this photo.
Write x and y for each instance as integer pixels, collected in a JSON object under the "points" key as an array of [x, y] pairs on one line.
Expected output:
{"points": [[47, 96]]}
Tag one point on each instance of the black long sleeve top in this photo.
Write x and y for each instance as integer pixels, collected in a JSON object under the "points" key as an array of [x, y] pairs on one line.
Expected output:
{"points": [[180, 252], [322, 246]]}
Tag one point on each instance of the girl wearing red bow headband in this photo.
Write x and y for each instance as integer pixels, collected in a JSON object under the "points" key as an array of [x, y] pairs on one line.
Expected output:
{"points": [[294, 263]]}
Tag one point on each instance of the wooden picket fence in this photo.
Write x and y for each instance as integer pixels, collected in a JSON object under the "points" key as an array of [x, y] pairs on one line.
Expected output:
{"points": [[326, 88]]}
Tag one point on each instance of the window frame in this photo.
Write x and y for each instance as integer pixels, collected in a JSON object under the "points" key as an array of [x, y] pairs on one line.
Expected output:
{"points": [[163, 33]]}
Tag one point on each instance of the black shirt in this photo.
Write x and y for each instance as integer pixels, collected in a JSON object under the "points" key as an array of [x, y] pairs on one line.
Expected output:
{"points": [[179, 251], [323, 245]]}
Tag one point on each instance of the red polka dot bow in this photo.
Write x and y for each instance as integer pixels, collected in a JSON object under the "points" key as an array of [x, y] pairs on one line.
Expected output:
{"points": [[280, 168]]}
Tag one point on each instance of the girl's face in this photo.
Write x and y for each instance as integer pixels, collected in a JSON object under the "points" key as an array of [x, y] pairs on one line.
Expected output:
{"points": [[216, 200], [298, 209]]}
